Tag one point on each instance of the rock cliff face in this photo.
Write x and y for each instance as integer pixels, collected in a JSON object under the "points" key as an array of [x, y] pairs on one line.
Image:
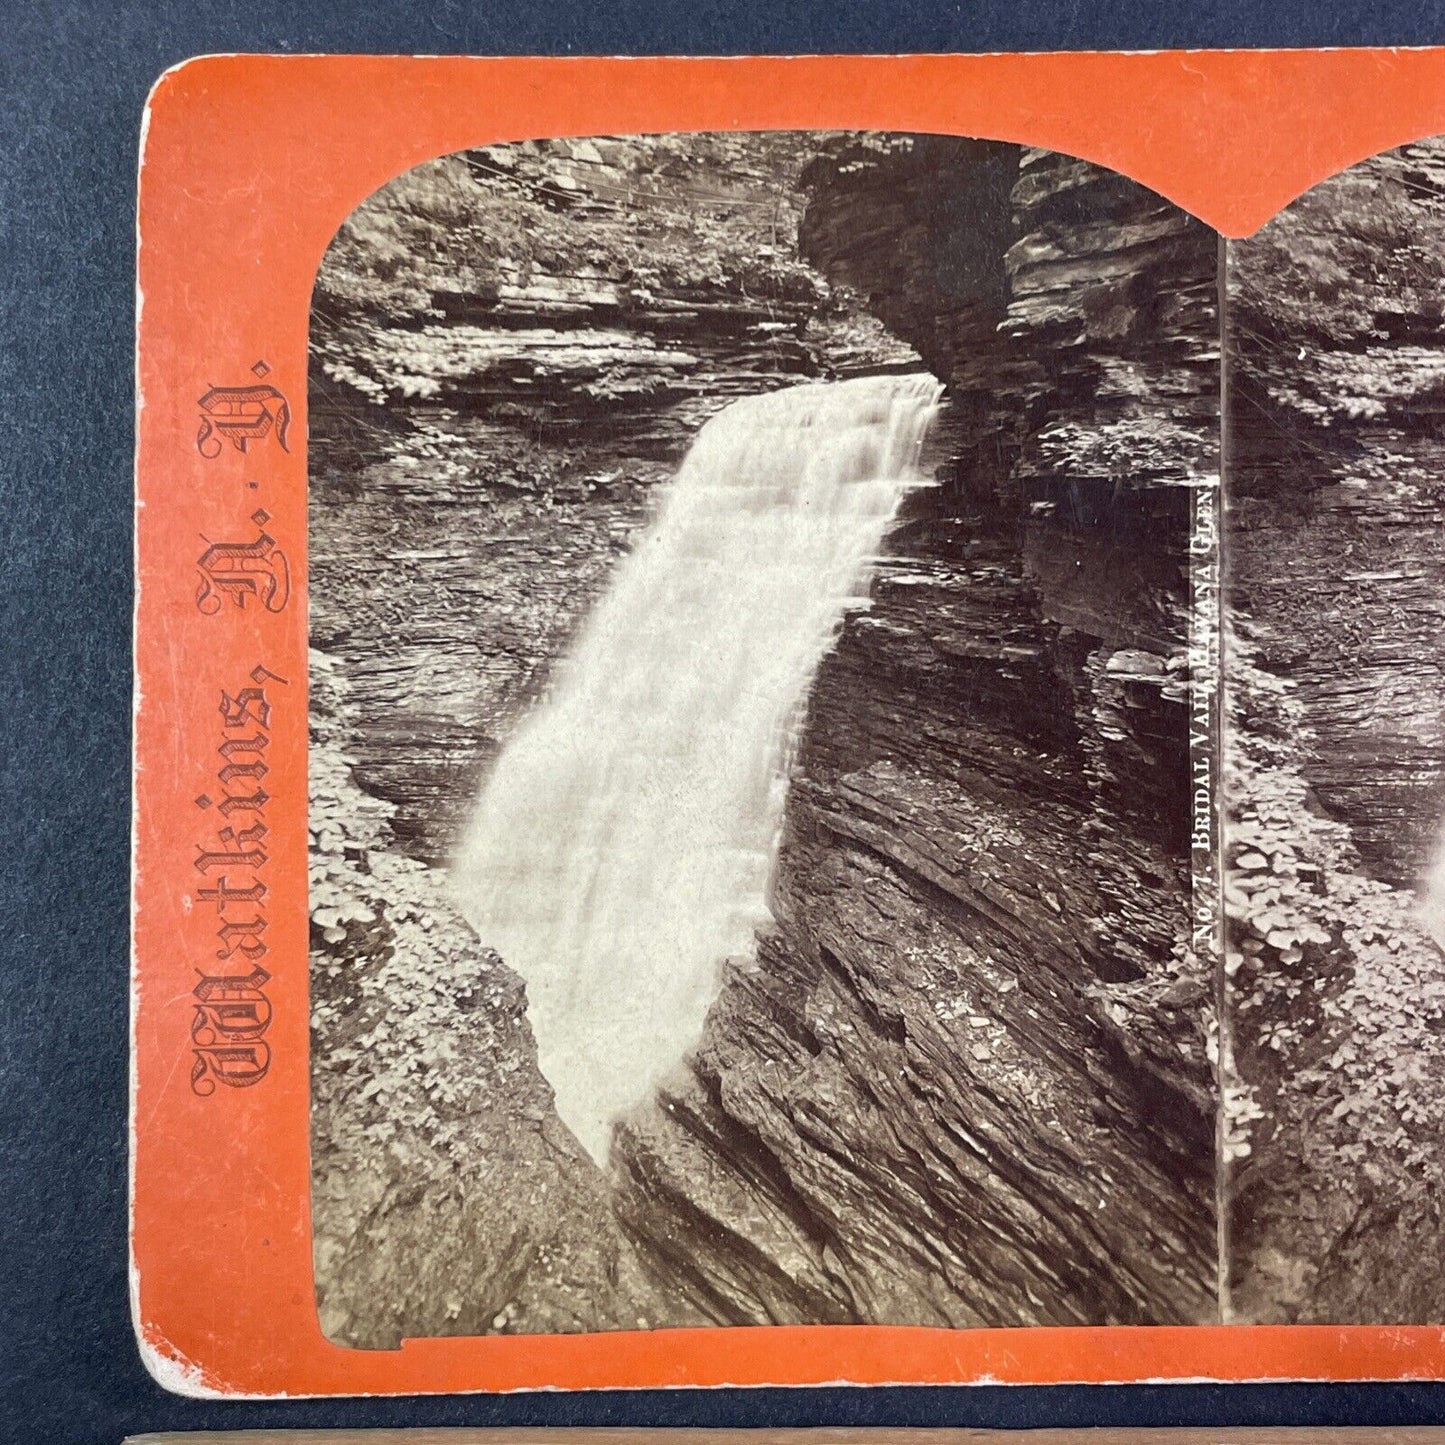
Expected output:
{"points": [[1336, 747], [967, 1080]]}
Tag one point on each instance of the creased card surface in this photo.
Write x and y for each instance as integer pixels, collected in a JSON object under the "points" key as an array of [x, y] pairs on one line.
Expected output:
{"points": [[766, 707]]}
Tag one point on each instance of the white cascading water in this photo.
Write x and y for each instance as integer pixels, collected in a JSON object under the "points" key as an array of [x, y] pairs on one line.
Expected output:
{"points": [[623, 846], [1431, 906]]}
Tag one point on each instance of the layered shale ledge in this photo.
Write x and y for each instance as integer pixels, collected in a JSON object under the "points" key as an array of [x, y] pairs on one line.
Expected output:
{"points": [[967, 1080]]}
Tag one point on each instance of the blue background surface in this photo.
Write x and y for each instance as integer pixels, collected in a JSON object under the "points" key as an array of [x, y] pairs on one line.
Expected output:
{"points": [[73, 78]]}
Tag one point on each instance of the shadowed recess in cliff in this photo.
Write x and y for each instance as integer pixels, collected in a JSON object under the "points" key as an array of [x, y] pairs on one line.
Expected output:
{"points": [[622, 849]]}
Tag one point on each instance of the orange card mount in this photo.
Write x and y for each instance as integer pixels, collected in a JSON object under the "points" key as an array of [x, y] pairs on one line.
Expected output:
{"points": [[258, 1205]]}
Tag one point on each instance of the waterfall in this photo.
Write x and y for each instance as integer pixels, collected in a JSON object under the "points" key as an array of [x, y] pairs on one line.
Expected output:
{"points": [[1431, 906], [622, 848]]}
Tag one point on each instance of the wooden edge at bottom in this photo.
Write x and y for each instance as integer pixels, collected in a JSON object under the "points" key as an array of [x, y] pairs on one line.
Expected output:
{"points": [[1142, 1435]]}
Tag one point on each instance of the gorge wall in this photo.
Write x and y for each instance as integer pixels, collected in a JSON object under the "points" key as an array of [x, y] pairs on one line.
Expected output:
{"points": [[967, 1081]]}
